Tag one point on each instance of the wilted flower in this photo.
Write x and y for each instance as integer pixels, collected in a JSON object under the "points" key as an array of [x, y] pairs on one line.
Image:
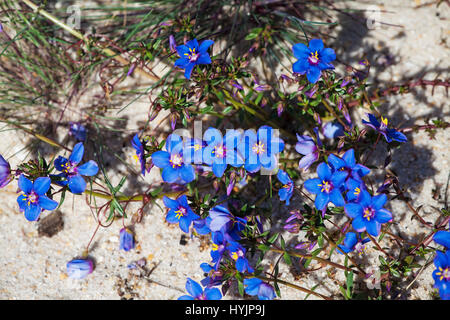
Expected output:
{"points": [[126, 239], [307, 147], [5, 172], [78, 131], [79, 268]]}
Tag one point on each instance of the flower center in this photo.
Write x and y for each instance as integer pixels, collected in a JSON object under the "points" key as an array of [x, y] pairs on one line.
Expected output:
{"points": [[384, 123], [31, 198], [444, 273], [258, 148], [288, 185], [369, 213], [181, 212], [219, 151], [176, 160], [314, 58], [69, 168], [357, 191], [360, 248], [192, 55], [326, 186]]}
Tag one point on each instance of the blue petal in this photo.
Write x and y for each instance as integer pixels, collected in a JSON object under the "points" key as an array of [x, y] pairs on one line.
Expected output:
{"points": [[205, 45], [313, 74], [383, 216], [77, 153], [379, 201], [327, 55], [349, 158], [283, 177], [47, 203], [90, 168], [212, 294], [305, 145], [182, 63], [193, 288], [182, 49], [307, 161], [252, 286], [396, 135], [24, 184], [170, 203], [442, 238], [338, 178], [77, 184], [171, 216], [174, 144], [312, 185], [218, 169], [41, 185], [161, 159], [353, 210], [336, 162], [361, 170], [359, 224], [170, 175], [337, 198], [32, 212], [350, 239], [193, 44], [373, 228], [22, 201], [315, 45], [344, 249], [321, 200], [301, 51], [188, 70], [184, 224], [204, 59], [365, 199], [323, 171], [187, 173], [301, 66]]}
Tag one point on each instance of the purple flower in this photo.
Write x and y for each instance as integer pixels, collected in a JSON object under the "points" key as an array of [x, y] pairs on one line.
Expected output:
{"points": [[348, 164], [327, 186], [180, 212], [312, 59], [222, 220], [5, 172], [79, 268], [237, 253], [126, 239], [72, 172], [78, 131], [352, 242], [139, 156], [368, 213], [193, 54], [33, 199], [196, 292], [286, 191], [256, 287], [172, 43], [441, 275], [389, 134], [307, 147], [172, 161]]}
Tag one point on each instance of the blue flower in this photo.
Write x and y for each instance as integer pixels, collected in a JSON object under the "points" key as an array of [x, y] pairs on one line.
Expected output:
{"points": [[389, 134], [175, 169], [260, 149], [442, 238], [312, 59], [348, 164], [33, 199], [193, 54], [222, 220], [352, 242], [201, 226], [286, 191], [79, 268], [307, 147], [214, 277], [139, 156], [196, 292], [256, 287], [368, 213], [441, 275], [126, 239], [219, 247], [180, 212], [78, 131], [327, 186], [193, 150], [237, 253], [221, 152], [72, 172], [5, 172]]}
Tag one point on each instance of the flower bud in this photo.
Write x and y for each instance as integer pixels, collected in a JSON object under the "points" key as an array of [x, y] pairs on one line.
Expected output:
{"points": [[5, 172], [79, 268], [126, 239]]}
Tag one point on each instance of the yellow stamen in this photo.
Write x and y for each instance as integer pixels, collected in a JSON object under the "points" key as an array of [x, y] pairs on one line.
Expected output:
{"points": [[384, 120], [357, 191]]}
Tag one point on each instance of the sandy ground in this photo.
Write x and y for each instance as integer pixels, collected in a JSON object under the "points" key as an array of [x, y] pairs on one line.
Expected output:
{"points": [[33, 266]]}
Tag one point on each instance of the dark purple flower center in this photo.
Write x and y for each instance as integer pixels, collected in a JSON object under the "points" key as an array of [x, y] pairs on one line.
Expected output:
{"points": [[192, 55], [70, 168], [258, 148], [314, 58], [369, 213], [326, 186], [220, 151], [181, 212], [31, 197], [444, 274], [176, 160]]}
